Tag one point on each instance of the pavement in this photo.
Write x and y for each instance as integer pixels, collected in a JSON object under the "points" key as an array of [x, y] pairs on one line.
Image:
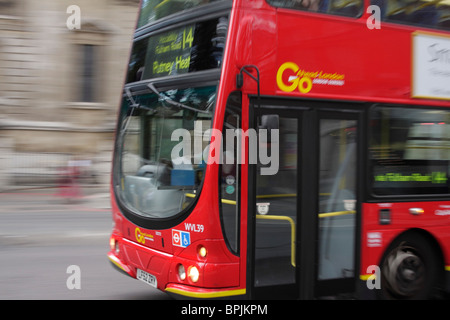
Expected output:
{"points": [[91, 196], [40, 215]]}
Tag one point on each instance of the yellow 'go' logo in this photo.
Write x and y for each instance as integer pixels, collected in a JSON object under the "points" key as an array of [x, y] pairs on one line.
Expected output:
{"points": [[139, 237], [304, 84]]}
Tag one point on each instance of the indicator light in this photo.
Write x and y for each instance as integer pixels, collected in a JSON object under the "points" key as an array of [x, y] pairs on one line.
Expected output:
{"points": [[416, 211], [202, 252], [112, 243], [181, 272]]}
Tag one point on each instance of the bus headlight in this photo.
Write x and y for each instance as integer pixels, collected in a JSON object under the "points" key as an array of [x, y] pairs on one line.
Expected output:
{"points": [[194, 274], [181, 272]]}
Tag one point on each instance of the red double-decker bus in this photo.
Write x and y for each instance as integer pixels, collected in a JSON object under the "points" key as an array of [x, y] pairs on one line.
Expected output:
{"points": [[286, 149]]}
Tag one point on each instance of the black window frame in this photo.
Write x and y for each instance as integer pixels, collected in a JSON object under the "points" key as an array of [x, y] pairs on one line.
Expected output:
{"points": [[179, 82], [382, 4], [201, 15], [373, 196], [185, 13], [358, 15], [236, 251]]}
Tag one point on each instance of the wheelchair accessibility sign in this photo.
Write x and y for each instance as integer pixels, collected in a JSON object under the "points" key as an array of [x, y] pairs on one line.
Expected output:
{"points": [[181, 238]]}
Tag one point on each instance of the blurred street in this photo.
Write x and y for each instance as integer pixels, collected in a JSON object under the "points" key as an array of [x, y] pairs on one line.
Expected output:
{"points": [[42, 234]]}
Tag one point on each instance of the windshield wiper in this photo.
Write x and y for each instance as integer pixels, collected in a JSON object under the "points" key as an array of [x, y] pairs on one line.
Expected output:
{"points": [[172, 102], [131, 99], [133, 104]]}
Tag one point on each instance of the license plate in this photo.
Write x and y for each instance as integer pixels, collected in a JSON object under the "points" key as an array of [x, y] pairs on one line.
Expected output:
{"points": [[146, 277]]}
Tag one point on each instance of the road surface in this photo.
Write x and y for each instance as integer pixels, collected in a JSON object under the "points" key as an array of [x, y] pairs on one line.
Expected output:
{"points": [[42, 236]]}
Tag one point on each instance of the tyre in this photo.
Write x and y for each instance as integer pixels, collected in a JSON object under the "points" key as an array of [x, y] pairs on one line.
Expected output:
{"points": [[410, 269]]}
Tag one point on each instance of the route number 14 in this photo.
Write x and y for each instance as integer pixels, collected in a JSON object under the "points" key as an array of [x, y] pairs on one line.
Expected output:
{"points": [[187, 38]]}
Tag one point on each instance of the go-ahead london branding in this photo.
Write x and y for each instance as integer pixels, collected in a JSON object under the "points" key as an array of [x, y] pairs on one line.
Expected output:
{"points": [[291, 77]]}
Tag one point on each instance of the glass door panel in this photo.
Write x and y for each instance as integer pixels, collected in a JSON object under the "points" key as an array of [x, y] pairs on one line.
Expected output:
{"points": [[337, 198]]}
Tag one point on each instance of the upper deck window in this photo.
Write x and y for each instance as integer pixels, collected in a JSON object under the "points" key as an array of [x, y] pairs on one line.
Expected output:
{"points": [[425, 13], [350, 8], [194, 47], [153, 10]]}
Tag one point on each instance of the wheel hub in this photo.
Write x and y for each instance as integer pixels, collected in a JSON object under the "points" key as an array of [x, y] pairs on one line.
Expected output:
{"points": [[404, 272]]}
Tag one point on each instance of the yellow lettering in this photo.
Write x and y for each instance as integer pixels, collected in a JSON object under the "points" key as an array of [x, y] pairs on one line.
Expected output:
{"points": [[182, 63], [294, 82], [305, 81], [139, 237]]}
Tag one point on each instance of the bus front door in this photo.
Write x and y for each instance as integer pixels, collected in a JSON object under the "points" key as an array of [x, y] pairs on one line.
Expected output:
{"points": [[276, 205], [303, 203]]}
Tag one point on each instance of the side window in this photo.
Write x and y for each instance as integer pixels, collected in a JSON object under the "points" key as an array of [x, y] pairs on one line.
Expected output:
{"points": [[88, 73], [409, 151], [432, 14], [153, 10], [229, 179], [11, 7], [350, 8], [89, 45]]}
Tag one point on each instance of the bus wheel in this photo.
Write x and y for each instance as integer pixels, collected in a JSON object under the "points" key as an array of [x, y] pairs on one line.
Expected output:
{"points": [[410, 269]]}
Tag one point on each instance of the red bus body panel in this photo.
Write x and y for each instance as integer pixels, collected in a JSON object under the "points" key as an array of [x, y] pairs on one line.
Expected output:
{"points": [[369, 66], [375, 238]]}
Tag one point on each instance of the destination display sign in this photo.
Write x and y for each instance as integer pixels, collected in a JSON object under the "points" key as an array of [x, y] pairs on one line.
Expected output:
{"points": [[190, 48], [412, 177], [169, 53]]}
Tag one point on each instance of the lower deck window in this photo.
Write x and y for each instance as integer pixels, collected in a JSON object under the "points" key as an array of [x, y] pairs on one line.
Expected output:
{"points": [[409, 151]]}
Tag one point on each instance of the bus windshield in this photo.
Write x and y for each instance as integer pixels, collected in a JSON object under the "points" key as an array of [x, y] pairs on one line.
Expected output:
{"points": [[160, 169]]}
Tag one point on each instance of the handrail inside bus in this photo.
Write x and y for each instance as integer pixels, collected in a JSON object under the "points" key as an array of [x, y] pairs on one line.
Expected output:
{"points": [[321, 215], [285, 218], [284, 195], [291, 222], [336, 213], [226, 201]]}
